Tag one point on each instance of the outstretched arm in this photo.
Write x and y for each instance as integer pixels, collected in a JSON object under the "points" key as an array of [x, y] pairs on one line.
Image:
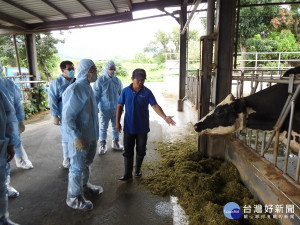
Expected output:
{"points": [[161, 113]]}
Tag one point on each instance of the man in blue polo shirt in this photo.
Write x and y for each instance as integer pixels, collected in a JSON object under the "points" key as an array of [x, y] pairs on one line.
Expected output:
{"points": [[136, 98]]}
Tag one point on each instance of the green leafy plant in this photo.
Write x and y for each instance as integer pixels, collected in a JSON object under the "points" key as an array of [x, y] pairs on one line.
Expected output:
{"points": [[36, 101]]}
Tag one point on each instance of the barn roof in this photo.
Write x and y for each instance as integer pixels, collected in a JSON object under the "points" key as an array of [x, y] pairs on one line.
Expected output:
{"points": [[33, 16]]}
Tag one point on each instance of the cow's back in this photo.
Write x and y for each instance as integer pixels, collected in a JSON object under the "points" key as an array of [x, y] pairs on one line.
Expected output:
{"points": [[268, 105]]}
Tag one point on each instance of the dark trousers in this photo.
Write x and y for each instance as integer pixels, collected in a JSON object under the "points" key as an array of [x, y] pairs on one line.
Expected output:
{"points": [[137, 140]]}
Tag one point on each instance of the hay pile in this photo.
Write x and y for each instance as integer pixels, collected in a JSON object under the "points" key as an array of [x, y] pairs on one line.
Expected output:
{"points": [[203, 185]]}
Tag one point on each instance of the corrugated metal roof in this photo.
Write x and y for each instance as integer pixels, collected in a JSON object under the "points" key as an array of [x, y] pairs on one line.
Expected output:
{"points": [[28, 16]]}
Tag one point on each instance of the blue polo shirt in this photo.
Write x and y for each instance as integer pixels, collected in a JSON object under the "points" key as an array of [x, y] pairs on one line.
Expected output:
{"points": [[136, 119]]}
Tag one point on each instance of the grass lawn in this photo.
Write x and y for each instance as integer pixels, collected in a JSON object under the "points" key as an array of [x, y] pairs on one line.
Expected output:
{"points": [[155, 72]]}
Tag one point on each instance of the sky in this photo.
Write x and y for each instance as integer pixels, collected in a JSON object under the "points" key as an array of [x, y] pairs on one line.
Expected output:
{"points": [[122, 40]]}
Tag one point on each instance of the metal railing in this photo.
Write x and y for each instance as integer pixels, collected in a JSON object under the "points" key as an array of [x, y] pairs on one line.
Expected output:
{"points": [[192, 87], [266, 143], [268, 60], [26, 85]]}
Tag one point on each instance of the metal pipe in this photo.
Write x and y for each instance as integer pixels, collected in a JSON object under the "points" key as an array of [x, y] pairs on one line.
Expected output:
{"points": [[263, 142], [190, 17], [289, 136], [298, 167], [295, 95], [256, 140], [277, 127], [279, 80], [236, 34], [250, 138], [210, 17], [269, 143], [276, 143]]}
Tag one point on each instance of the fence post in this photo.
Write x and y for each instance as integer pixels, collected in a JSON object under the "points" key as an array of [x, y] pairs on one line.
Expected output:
{"points": [[279, 59], [256, 57]]}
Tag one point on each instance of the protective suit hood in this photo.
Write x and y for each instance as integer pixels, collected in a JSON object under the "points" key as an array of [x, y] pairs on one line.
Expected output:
{"points": [[83, 67], [109, 64]]}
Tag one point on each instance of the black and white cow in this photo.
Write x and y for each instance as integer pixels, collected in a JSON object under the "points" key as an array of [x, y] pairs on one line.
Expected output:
{"points": [[257, 111]]}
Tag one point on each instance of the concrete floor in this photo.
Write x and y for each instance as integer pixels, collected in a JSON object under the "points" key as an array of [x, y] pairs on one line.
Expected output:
{"points": [[43, 189]]}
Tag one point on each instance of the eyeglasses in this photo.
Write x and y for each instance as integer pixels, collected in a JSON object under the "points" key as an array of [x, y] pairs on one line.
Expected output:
{"points": [[94, 71]]}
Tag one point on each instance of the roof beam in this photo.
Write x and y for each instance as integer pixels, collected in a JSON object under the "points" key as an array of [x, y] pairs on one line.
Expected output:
{"points": [[170, 14], [267, 4], [155, 4], [24, 9], [56, 8], [115, 8], [6, 30], [158, 4], [13, 21], [86, 7], [85, 21]]}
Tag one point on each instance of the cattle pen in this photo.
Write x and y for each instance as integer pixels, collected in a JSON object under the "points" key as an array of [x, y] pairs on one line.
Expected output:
{"points": [[268, 167], [263, 140]]}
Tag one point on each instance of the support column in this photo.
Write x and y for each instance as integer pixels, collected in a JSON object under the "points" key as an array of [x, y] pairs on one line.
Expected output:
{"points": [[207, 43], [224, 63], [17, 54], [182, 59], [224, 47], [210, 17], [31, 56]]}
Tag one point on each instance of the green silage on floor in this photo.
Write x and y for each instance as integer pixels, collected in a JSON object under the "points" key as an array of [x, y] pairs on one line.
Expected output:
{"points": [[202, 185]]}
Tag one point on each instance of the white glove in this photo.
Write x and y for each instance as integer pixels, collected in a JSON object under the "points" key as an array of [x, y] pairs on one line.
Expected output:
{"points": [[56, 120], [21, 127], [79, 144]]}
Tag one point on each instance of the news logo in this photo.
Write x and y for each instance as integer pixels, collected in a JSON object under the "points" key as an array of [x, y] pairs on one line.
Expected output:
{"points": [[232, 211]]}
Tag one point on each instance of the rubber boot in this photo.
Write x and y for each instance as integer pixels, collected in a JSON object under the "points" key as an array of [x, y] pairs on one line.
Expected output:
{"points": [[128, 162], [138, 164]]}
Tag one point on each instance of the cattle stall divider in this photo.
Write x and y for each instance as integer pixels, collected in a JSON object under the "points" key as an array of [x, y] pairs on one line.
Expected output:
{"points": [[258, 80], [192, 87]]}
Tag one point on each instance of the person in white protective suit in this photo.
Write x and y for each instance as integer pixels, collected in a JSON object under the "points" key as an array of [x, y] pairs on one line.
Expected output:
{"points": [[14, 95], [107, 91], [8, 138], [80, 122], [56, 89]]}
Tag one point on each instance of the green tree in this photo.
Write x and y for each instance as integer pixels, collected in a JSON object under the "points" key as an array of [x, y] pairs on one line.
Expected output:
{"points": [[47, 53], [7, 51], [167, 43], [254, 21], [47, 57]]}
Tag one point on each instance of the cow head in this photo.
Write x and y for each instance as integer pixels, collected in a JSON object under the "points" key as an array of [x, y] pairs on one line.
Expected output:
{"points": [[227, 117]]}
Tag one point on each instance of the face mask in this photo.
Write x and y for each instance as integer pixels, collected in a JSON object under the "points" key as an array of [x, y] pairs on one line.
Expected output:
{"points": [[70, 73], [111, 73], [93, 77]]}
